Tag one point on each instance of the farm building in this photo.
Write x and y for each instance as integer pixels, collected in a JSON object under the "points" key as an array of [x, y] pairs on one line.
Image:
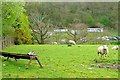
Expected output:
{"points": [[94, 29]]}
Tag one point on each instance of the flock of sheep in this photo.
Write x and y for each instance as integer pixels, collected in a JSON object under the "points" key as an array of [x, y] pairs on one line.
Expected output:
{"points": [[103, 50], [69, 42]]}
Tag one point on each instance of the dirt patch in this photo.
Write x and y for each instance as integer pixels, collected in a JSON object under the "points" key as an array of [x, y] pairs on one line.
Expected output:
{"points": [[106, 65]]}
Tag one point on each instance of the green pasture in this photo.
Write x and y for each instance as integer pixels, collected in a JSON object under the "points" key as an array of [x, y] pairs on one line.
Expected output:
{"points": [[60, 61]]}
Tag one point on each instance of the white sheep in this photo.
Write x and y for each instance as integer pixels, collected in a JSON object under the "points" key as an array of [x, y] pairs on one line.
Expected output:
{"points": [[115, 47], [103, 50], [72, 42], [55, 43]]}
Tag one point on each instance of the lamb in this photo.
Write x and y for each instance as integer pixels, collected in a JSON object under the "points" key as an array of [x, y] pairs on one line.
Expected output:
{"points": [[72, 42], [115, 47], [103, 50]]}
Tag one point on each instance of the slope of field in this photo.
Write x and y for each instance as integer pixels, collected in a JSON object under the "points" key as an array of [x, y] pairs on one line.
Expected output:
{"points": [[61, 61]]}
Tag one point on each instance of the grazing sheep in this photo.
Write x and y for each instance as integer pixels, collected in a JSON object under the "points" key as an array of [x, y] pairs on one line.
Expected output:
{"points": [[55, 43], [103, 50], [115, 47], [72, 42]]}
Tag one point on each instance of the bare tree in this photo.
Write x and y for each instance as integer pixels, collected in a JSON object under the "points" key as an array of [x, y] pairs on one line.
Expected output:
{"points": [[74, 34], [78, 31], [39, 28]]}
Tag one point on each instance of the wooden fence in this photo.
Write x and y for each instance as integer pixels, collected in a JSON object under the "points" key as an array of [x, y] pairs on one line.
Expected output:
{"points": [[6, 41]]}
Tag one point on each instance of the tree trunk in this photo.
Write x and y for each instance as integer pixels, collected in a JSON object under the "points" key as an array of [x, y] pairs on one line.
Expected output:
{"points": [[75, 38], [42, 39], [37, 40]]}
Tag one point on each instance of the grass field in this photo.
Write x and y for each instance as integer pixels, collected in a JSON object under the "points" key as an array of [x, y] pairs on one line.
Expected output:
{"points": [[60, 61]]}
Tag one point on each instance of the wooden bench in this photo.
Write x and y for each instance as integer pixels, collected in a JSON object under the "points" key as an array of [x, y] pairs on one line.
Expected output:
{"points": [[21, 56]]}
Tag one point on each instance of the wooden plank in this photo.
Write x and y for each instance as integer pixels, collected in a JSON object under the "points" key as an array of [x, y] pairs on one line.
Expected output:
{"points": [[21, 56]]}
